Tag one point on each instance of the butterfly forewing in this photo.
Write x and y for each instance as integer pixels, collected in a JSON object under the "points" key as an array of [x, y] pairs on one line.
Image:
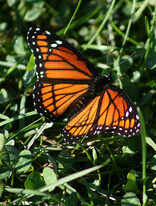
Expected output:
{"points": [[63, 74], [56, 60]]}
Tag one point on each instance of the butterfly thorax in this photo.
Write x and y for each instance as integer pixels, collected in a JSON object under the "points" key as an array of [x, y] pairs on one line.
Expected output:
{"points": [[99, 84]]}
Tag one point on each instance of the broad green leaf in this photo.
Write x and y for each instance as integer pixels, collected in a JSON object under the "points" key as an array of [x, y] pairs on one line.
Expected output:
{"points": [[130, 199], [31, 63], [24, 162], [32, 14], [10, 156], [19, 46], [49, 176], [34, 181], [131, 184], [5, 172]]}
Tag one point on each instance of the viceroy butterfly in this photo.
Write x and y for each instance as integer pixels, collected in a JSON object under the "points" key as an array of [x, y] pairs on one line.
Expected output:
{"points": [[68, 85]]}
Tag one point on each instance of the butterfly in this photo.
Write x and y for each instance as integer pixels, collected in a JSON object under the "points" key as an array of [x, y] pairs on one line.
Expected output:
{"points": [[68, 85]]}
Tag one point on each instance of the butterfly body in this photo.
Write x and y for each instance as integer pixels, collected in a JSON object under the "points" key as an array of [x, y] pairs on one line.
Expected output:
{"points": [[68, 85], [99, 84]]}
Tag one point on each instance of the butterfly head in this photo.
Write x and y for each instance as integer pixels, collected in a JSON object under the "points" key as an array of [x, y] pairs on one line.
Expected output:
{"points": [[108, 77]]}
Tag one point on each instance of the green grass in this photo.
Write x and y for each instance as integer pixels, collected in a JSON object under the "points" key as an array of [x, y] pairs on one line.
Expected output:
{"points": [[36, 165]]}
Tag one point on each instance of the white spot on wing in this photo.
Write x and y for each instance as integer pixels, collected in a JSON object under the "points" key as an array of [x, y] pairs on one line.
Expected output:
{"points": [[137, 117], [138, 125], [53, 45], [127, 114], [58, 42], [47, 32]]}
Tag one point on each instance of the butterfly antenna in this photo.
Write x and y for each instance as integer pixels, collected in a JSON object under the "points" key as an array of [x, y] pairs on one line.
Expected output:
{"points": [[107, 49], [125, 59]]}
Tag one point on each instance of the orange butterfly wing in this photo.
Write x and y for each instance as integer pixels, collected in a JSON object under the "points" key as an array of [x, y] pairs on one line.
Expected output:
{"points": [[56, 60], [112, 111], [64, 75], [54, 101]]}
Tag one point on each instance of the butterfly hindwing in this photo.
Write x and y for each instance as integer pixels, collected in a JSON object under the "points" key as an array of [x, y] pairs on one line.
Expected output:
{"points": [[82, 123], [117, 113]]}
